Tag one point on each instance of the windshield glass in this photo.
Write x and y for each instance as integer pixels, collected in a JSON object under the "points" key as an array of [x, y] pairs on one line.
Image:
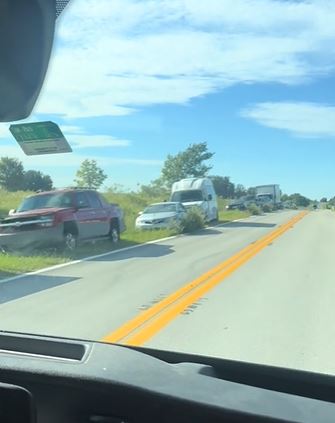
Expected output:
{"points": [[160, 208], [45, 201], [264, 196], [220, 100], [187, 196]]}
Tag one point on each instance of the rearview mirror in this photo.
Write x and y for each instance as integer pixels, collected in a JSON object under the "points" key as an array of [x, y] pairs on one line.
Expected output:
{"points": [[11, 211], [210, 197], [140, 212], [26, 38]]}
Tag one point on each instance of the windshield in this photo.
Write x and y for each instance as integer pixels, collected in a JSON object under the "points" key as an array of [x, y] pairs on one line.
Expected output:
{"points": [[45, 201], [220, 100], [160, 208], [187, 196], [264, 196]]}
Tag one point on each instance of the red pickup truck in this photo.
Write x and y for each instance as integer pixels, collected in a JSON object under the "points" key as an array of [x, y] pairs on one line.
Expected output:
{"points": [[61, 217]]}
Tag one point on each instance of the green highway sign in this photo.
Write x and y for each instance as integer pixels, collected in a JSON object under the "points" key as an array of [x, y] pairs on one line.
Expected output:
{"points": [[40, 138]]}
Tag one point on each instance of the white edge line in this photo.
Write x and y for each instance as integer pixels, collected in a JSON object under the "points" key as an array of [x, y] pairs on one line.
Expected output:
{"points": [[70, 263]]}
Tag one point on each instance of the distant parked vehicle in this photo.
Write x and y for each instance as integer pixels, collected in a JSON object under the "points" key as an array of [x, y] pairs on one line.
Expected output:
{"points": [[160, 216], [61, 217], [197, 192], [241, 203], [268, 194], [289, 205]]}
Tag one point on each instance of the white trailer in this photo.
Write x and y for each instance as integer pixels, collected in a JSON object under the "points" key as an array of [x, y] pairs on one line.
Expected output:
{"points": [[268, 194]]}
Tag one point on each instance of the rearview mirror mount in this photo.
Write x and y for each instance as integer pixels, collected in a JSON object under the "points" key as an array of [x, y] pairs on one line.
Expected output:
{"points": [[26, 38]]}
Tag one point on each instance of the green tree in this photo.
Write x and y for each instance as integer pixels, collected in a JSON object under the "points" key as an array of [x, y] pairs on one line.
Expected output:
{"points": [[299, 200], [90, 175], [323, 200], [11, 174], [187, 163], [156, 188], [251, 191], [35, 180], [240, 191], [223, 186]]}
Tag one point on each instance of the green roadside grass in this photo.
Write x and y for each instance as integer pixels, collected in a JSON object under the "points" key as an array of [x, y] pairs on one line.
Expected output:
{"points": [[131, 203], [228, 216], [13, 264]]}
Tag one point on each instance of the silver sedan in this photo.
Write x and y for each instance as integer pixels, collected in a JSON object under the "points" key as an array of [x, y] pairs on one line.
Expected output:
{"points": [[160, 215]]}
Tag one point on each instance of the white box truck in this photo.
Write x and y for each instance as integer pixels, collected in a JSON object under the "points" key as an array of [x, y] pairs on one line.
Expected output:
{"points": [[268, 194], [197, 192]]}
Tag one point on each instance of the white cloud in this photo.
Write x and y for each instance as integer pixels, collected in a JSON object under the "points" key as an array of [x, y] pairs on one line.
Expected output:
{"points": [[96, 141], [299, 118], [4, 131], [71, 160], [116, 56], [72, 129]]}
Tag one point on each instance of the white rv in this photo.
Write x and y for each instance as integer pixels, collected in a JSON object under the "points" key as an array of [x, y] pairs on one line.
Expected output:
{"points": [[197, 192]]}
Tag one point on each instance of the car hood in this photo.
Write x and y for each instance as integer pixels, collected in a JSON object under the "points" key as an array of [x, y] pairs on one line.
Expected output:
{"points": [[36, 212], [154, 216]]}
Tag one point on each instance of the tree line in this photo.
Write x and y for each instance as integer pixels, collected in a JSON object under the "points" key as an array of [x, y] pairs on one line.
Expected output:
{"points": [[192, 162], [13, 177]]}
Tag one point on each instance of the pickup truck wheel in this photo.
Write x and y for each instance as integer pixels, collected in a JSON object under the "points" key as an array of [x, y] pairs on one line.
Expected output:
{"points": [[70, 241], [114, 233]]}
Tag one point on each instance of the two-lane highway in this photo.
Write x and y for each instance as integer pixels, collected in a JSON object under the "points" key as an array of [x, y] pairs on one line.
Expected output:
{"points": [[257, 290]]}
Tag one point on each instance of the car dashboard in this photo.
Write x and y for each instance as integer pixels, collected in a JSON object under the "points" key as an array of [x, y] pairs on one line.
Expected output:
{"points": [[47, 380]]}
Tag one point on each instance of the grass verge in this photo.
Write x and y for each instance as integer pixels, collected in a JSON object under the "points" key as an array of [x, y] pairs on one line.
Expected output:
{"points": [[229, 215], [12, 265], [16, 263]]}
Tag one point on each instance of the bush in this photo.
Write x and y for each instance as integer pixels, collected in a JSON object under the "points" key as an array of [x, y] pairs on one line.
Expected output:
{"points": [[254, 210], [193, 220], [267, 208]]}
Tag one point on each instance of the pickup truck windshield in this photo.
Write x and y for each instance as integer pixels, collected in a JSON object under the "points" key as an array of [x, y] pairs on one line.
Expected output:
{"points": [[187, 196], [45, 201], [265, 196]]}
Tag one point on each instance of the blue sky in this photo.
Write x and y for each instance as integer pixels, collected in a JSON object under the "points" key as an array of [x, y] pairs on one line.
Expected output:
{"points": [[132, 81]]}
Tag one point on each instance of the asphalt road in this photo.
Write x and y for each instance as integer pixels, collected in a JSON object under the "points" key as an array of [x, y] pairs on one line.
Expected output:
{"points": [[272, 303]]}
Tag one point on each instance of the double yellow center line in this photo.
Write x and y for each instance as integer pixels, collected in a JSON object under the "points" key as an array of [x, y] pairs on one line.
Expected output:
{"points": [[146, 324]]}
